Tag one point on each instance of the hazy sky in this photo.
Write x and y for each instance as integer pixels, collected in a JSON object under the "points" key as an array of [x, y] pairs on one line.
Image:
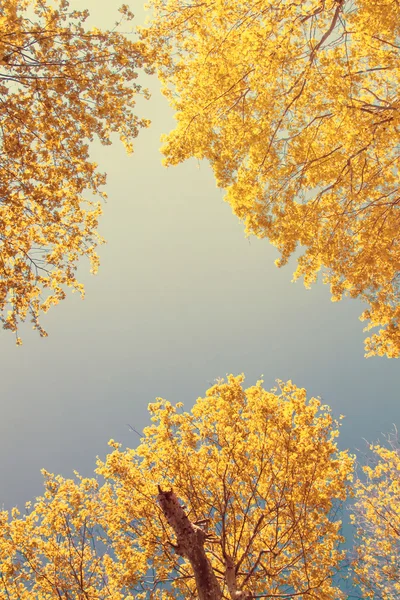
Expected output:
{"points": [[181, 298]]}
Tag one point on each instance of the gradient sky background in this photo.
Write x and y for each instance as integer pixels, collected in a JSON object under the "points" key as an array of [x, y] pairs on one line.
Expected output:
{"points": [[181, 298]]}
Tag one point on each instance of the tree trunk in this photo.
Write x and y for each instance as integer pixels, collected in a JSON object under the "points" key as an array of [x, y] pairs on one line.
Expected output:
{"points": [[190, 545]]}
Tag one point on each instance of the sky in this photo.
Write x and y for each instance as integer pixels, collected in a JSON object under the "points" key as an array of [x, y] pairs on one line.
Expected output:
{"points": [[181, 298]]}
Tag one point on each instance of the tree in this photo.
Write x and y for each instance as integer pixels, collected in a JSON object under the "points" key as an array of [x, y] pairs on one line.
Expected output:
{"points": [[236, 499], [376, 515], [296, 107], [61, 85]]}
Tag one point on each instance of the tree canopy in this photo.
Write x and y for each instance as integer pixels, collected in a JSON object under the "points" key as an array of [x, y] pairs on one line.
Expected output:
{"points": [[296, 107], [237, 498], [61, 85], [376, 515]]}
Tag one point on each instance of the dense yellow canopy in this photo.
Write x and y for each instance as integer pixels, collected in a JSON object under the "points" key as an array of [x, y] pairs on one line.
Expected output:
{"points": [[61, 85], [295, 104], [258, 471], [376, 515]]}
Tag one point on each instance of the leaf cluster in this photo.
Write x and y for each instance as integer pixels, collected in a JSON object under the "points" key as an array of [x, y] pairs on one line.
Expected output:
{"points": [[296, 107], [61, 85], [259, 472]]}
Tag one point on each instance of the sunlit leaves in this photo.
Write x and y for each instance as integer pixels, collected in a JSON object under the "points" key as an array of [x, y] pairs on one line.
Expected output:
{"points": [[62, 85], [376, 515], [260, 470], [296, 107]]}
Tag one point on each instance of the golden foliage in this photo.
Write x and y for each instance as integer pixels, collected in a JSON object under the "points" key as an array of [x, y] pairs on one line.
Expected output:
{"points": [[296, 107], [376, 515], [61, 85], [259, 470]]}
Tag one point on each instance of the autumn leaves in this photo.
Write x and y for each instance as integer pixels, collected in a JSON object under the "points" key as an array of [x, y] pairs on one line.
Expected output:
{"points": [[260, 478], [61, 86], [295, 106], [255, 511]]}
